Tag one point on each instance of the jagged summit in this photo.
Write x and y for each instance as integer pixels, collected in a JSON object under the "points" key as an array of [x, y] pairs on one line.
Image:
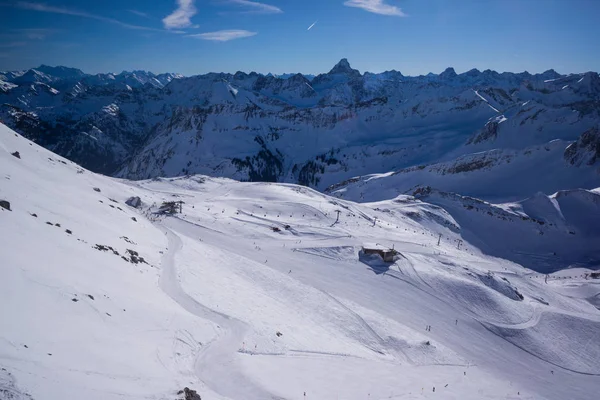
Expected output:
{"points": [[448, 73], [343, 67]]}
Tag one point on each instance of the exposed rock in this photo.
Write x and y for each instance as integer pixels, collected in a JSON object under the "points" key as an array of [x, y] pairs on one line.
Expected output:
{"points": [[9, 390], [134, 202], [16, 154], [448, 73], [102, 247], [488, 133], [135, 258], [586, 150], [191, 394], [97, 189], [5, 204]]}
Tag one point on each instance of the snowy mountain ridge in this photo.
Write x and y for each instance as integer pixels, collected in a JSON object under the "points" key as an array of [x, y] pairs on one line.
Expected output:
{"points": [[316, 132]]}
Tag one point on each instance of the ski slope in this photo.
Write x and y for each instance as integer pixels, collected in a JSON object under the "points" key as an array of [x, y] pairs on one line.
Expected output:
{"points": [[257, 291]]}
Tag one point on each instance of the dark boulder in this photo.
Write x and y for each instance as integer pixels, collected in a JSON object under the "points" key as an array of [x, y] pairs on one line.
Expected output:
{"points": [[134, 202], [5, 204], [191, 394]]}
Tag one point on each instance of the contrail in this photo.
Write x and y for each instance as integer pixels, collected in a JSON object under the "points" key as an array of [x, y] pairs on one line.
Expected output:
{"points": [[314, 23]]}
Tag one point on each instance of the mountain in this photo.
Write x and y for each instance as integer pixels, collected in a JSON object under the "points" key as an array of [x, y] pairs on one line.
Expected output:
{"points": [[286, 76], [543, 233], [105, 293], [316, 132], [494, 175], [61, 72]]}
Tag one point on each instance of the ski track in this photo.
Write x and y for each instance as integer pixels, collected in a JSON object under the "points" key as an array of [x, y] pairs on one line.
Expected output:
{"points": [[489, 329], [216, 363]]}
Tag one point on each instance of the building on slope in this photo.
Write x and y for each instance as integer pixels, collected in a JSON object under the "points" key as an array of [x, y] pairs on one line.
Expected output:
{"points": [[386, 254]]}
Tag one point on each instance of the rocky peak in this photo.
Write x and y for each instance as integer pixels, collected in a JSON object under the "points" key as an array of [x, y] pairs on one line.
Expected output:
{"points": [[448, 73], [550, 74], [472, 72], [343, 67]]}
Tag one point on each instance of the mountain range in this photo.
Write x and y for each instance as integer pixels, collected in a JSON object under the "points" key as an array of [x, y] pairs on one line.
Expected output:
{"points": [[347, 235], [161, 288], [514, 134]]}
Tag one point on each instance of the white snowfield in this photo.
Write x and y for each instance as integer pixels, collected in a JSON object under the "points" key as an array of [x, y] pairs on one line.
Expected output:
{"points": [[258, 291]]}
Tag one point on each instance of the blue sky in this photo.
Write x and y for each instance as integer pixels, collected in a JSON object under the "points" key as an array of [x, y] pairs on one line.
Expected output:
{"points": [[199, 36]]}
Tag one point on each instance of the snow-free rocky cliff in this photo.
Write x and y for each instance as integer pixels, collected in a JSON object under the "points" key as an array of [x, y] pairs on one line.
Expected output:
{"points": [[317, 131]]}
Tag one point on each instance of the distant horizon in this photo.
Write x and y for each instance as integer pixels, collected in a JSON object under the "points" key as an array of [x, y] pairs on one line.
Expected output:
{"points": [[194, 37], [298, 72]]}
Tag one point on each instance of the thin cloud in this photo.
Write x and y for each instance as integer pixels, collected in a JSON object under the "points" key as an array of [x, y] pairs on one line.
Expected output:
{"points": [[258, 8], [60, 10], [223, 36], [34, 33], [12, 44], [139, 13], [376, 6], [180, 18], [313, 24]]}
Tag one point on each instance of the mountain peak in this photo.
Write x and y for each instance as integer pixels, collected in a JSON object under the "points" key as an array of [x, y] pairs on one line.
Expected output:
{"points": [[448, 73], [60, 71], [343, 67], [473, 72]]}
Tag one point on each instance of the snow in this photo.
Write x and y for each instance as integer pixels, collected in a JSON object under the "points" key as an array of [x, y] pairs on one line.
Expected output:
{"points": [[497, 175], [233, 90], [339, 125], [480, 96], [484, 99], [6, 85], [236, 309], [111, 109]]}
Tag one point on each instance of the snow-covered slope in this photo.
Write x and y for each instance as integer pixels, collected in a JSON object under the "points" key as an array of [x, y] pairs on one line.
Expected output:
{"points": [[543, 233], [316, 132], [259, 290], [496, 175]]}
